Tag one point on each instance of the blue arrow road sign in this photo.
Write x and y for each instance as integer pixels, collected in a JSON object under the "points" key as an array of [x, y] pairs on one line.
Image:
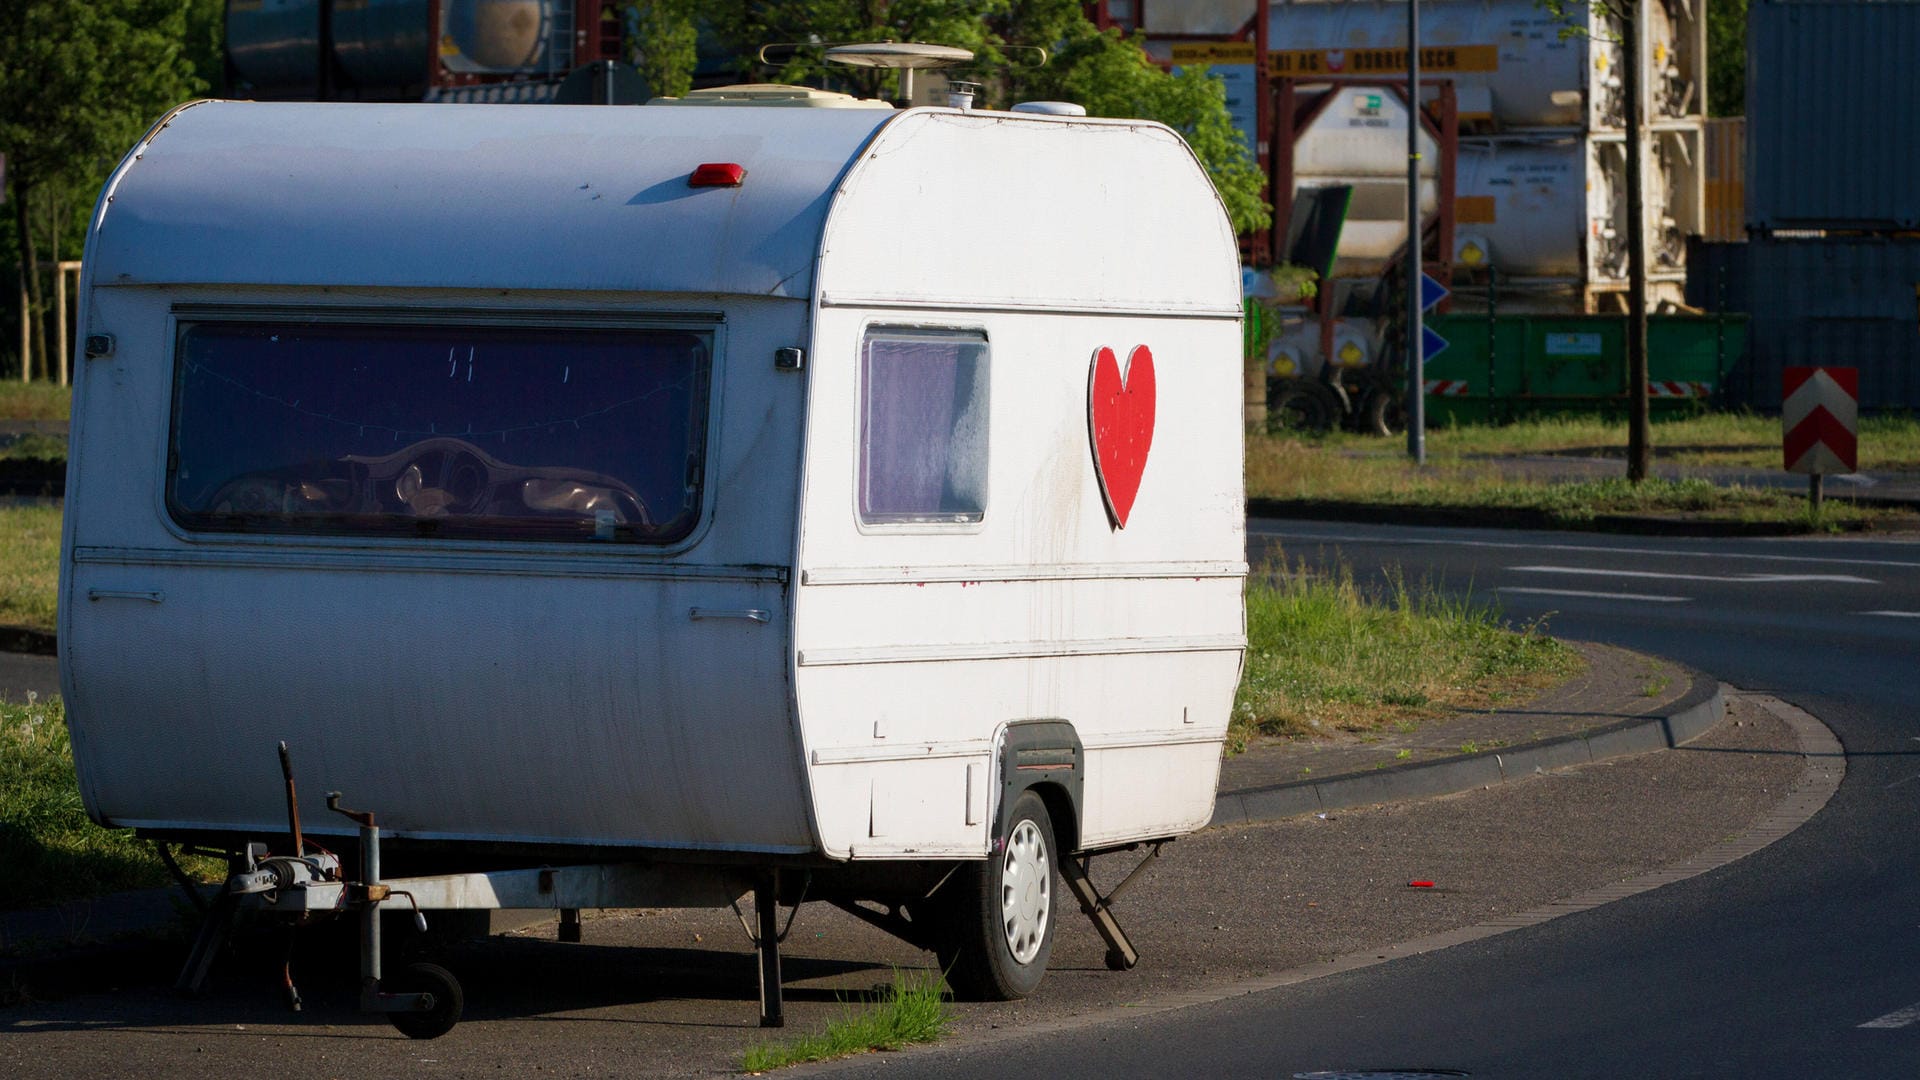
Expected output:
{"points": [[1431, 292], [1431, 344]]}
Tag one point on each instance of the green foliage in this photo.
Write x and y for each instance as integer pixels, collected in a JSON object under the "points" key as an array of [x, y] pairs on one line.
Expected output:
{"points": [[80, 82], [662, 37], [1105, 72], [1111, 76], [745, 25], [911, 1010], [1727, 57]]}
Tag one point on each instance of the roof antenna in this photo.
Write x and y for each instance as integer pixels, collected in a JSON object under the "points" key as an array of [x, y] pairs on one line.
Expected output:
{"points": [[903, 56]]}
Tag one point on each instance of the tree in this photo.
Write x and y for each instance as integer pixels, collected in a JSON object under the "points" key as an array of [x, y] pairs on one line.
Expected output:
{"points": [[1111, 76], [78, 84], [663, 43], [1105, 72], [1726, 57]]}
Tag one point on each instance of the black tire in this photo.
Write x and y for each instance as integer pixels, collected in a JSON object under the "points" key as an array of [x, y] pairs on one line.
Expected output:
{"points": [[1000, 913], [448, 1001], [1386, 413], [1300, 405]]}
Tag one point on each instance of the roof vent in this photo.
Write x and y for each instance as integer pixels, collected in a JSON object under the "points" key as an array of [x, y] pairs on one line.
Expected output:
{"points": [[778, 94], [1051, 108]]}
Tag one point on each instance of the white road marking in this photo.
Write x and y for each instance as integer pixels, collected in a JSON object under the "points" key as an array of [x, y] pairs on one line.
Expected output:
{"points": [[1894, 614], [1899, 1018], [1264, 528], [1652, 598], [1744, 579]]}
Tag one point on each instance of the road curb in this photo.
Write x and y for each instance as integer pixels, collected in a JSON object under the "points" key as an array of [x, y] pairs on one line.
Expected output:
{"points": [[1703, 706], [25, 639]]}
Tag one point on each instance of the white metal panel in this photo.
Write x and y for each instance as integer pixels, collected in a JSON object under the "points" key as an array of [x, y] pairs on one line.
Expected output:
{"points": [[474, 196], [1100, 631], [1011, 210], [536, 693]]}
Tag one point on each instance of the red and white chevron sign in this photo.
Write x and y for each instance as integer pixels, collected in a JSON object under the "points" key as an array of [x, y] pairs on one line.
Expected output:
{"points": [[1446, 387], [1818, 410]]}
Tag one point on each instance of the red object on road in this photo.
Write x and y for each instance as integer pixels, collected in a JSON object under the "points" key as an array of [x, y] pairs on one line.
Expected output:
{"points": [[1818, 411], [1419, 884]]}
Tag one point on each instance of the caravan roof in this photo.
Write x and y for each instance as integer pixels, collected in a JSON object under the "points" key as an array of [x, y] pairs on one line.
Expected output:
{"points": [[567, 198]]}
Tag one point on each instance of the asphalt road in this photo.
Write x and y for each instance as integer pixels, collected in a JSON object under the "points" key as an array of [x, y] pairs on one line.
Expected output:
{"points": [[1801, 961], [21, 674]]}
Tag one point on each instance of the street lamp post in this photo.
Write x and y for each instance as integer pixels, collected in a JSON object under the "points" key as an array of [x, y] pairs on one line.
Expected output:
{"points": [[1416, 329]]}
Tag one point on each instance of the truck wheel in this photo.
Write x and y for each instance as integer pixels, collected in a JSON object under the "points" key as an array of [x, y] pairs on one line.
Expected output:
{"points": [[448, 1001], [1386, 413], [1001, 912], [1299, 405]]}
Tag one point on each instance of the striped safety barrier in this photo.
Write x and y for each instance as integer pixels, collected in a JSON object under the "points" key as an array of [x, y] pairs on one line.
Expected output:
{"points": [[1669, 389], [1446, 387]]}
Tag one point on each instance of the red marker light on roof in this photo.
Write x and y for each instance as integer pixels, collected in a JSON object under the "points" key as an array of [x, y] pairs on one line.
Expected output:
{"points": [[717, 174]]}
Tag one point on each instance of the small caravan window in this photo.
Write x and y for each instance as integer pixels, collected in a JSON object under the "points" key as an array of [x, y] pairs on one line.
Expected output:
{"points": [[407, 430], [923, 427]]}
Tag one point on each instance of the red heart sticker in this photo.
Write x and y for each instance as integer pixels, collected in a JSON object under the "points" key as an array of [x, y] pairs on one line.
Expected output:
{"points": [[1120, 407]]}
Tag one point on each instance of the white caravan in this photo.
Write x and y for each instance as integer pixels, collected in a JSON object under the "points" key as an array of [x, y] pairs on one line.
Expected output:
{"points": [[798, 497]]}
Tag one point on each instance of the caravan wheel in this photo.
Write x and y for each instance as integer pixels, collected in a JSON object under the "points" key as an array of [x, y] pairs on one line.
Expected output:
{"points": [[1001, 912]]}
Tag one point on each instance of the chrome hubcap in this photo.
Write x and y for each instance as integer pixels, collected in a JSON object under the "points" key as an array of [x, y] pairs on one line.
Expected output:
{"points": [[1026, 891]]}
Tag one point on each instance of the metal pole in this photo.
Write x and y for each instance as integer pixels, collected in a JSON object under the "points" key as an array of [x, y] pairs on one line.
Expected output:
{"points": [[1416, 330], [60, 317], [26, 334], [1638, 422]]}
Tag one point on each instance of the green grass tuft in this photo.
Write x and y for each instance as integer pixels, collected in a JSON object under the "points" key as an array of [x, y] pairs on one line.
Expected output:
{"points": [[1324, 655], [49, 851], [911, 1010], [33, 401], [29, 565]]}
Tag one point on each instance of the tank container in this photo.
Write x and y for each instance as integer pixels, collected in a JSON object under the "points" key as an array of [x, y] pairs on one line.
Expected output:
{"points": [[274, 46], [498, 37], [1512, 65], [1555, 208], [383, 44], [1360, 139]]}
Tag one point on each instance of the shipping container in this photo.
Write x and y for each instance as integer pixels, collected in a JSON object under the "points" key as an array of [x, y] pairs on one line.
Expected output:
{"points": [[1838, 301], [1724, 221], [1833, 111]]}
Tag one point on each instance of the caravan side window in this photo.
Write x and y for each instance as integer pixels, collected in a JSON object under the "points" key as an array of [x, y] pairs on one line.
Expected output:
{"points": [[923, 426], [473, 432]]}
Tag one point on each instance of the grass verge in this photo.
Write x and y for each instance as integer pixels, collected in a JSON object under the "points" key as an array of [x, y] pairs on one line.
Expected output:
{"points": [[29, 565], [34, 447], [49, 851], [1888, 443], [1324, 656], [34, 401], [911, 1010], [1311, 471]]}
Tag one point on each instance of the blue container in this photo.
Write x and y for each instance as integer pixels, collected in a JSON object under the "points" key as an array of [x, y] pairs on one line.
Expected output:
{"points": [[1833, 132], [274, 46], [384, 47]]}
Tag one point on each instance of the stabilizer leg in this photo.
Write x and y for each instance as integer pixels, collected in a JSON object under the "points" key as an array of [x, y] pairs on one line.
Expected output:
{"points": [[1121, 955], [215, 929], [767, 941]]}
